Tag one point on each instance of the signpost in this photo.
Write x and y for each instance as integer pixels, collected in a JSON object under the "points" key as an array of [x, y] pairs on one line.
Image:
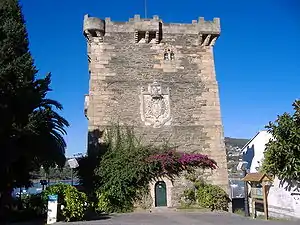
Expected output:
{"points": [[73, 164], [52, 209], [260, 184], [43, 183]]}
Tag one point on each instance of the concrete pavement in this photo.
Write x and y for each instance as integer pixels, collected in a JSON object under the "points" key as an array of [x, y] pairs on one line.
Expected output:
{"points": [[179, 218]]}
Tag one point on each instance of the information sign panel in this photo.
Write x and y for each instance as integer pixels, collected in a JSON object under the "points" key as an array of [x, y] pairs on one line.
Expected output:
{"points": [[52, 209]]}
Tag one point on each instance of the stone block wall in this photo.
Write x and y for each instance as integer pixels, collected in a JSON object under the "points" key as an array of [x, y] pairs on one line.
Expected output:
{"points": [[161, 79]]}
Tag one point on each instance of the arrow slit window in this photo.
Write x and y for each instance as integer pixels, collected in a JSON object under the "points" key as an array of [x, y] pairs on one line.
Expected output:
{"points": [[169, 55]]}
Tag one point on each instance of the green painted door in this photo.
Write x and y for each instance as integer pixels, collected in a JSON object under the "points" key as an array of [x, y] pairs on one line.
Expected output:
{"points": [[160, 194]]}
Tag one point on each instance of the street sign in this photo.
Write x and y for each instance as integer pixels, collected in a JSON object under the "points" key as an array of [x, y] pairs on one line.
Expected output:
{"points": [[73, 163], [52, 209]]}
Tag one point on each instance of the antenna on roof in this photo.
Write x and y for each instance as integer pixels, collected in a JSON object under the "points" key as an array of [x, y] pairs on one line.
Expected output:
{"points": [[145, 8]]}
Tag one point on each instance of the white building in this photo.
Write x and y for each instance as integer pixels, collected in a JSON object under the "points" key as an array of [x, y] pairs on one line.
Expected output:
{"points": [[283, 199]]}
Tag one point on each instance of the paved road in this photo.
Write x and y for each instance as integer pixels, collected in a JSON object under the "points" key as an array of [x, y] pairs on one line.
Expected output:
{"points": [[179, 218]]}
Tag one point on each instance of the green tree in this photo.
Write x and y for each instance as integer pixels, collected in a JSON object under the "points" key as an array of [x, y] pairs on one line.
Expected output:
{"points": [[282, 153], [30, 128]]}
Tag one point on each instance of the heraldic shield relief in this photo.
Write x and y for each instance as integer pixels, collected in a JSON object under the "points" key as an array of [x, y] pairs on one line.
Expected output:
{"points": [[155, 105]]}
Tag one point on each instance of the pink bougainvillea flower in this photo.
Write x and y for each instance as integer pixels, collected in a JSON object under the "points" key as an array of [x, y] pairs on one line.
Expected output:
{"points": [[172, 161]]}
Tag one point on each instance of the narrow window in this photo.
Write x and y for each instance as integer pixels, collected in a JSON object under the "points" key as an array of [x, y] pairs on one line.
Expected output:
{"points": [[172, 56], [166, 56], [169, 55]]}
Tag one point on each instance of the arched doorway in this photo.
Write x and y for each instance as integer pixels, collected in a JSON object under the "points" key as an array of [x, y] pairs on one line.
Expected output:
{"points": [[160, 194]]}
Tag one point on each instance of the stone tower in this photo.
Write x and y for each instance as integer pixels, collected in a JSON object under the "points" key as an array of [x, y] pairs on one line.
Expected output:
{"points": [[159, 77]]}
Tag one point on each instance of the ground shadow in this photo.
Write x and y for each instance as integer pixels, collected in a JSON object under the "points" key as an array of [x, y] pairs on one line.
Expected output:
{"points": [[97, 216], [238, 204], [290, 185], [30, 222]]}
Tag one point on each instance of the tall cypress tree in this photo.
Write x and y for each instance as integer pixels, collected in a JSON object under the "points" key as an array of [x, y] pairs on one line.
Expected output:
{"points": [[17, 72], [30, 130]]}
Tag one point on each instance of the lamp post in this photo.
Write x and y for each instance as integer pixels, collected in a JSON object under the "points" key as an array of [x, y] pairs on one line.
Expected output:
{"points": [[73, 164], [247, 213], [242, 166]]}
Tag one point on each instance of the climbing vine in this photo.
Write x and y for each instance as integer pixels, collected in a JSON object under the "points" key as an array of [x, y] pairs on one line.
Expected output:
{"points": [[120, 170]]}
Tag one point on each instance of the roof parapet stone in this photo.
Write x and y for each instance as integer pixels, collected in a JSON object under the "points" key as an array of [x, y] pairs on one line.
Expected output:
{"points": [[200, 26]]}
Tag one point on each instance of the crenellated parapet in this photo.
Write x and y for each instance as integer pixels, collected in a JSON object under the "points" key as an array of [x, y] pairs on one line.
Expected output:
{"points": [[152, 30]]}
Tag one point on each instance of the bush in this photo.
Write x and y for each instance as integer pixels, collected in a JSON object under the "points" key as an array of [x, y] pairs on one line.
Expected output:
{"points": [[108, 203], [103, 203], [35, 205], [204, 195], [189, 196], [29, 207], [72, 204], [212, 197]]}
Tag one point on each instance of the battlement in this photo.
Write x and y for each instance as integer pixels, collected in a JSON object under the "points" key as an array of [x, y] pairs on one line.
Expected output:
{"points": [[97, 27]]}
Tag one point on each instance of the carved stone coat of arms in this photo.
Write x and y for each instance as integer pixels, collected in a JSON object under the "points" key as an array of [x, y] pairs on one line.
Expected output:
{"points": [[155, 105]]}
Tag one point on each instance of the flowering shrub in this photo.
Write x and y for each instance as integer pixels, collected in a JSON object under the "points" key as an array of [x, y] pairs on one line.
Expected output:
{"points": [[34, 205], [197, 160], [173, 162], [72, 203]]}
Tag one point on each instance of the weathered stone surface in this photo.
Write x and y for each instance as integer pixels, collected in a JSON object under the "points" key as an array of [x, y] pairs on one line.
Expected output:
{"points": [[125, 57]]}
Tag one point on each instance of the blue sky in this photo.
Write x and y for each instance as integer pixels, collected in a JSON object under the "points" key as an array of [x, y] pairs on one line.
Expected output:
{"points": [[257, 56]]}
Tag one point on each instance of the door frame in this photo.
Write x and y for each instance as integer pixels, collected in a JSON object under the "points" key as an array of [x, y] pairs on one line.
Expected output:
{"points": [[163, 183]]}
